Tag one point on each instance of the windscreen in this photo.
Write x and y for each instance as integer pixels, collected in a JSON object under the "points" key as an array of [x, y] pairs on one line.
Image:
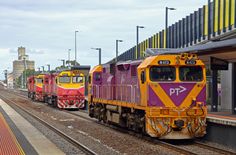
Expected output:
{"points": [[162, 73], [191, 73], [39, 80], [64, 79]]}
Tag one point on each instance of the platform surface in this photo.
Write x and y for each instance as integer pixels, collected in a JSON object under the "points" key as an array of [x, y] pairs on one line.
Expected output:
{"points": [[23, 137], [8, 142], [223, 118]]}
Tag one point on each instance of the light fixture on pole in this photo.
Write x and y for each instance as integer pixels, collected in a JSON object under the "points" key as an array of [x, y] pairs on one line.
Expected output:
{"points": [[100, 54], [117, 48], [137, 39], [166, 26]]}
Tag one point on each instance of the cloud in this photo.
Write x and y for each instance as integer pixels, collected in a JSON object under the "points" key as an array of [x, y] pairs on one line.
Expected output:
{"points": [[46, 27], [36, 51]]}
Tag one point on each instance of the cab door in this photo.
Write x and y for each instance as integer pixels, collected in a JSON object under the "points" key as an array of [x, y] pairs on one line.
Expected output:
{"points": [[142, 76]]}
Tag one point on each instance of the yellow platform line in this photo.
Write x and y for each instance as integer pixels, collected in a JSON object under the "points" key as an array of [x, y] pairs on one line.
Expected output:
{"points": [[13, 138]]}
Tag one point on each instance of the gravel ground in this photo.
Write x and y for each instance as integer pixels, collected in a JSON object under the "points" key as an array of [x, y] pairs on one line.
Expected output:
{"points": [[99, 138], [61, 143]]}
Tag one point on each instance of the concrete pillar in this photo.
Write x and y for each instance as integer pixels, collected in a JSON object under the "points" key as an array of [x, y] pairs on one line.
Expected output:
{"points": [[214, 93], [233, 89], [226, 89]]}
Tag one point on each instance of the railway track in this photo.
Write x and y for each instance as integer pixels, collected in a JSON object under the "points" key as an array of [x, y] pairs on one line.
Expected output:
{"points": [[72, 141], [215, 149], [168, 145]]}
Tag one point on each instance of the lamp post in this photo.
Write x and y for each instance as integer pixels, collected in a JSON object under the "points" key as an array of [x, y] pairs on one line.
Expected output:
{"points": [[137, 38], [100, 54], [75, 47], [166, 26], [69, 57], [42, 68], [25, 68], [63, 62], [117, 48], [48, 67], [5, 74]]}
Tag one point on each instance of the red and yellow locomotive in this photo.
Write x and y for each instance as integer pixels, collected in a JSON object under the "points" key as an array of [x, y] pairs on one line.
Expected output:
{"points": [[64, 89], [163, 96], [35, 87]]}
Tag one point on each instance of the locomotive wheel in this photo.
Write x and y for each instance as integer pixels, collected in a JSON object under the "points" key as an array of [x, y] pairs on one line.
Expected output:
{"points": [[33, 97]]}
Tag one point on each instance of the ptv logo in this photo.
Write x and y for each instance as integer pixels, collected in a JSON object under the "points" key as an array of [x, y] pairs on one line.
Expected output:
{"points": [[177, 91]]}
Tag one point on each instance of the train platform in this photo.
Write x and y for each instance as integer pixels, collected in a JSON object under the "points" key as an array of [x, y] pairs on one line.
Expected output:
{"points": [[19, 137], [223, 118]]}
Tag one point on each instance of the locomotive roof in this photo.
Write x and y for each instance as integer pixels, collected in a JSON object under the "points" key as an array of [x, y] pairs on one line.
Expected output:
{"points": [[85, 67], [131, 62]]}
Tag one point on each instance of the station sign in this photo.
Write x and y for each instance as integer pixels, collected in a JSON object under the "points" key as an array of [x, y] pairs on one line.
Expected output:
{"points": [[218, 64]]}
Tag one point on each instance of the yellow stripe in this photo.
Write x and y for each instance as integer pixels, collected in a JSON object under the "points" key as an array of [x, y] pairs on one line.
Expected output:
{"points": [[153, 41], [162, 95], [206, 20], [12, 135], [232, 20], [221, 13], [145, 45], [226, 13], [158, 40], [216, 16], [194, 92]]}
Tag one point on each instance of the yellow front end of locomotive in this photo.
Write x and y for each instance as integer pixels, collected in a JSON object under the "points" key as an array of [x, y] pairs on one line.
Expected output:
{"points": [[173, 89]]}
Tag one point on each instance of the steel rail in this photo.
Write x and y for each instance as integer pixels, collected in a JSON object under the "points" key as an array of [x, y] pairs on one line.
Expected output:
{"points": [[77, 144], [212, 148], [162, 143]]}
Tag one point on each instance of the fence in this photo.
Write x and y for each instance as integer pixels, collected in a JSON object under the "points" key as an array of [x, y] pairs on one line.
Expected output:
{"points": [[212, 20]]}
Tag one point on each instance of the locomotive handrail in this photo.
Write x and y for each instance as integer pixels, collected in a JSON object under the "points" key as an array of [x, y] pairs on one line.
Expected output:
{"points": [[127, 93]]}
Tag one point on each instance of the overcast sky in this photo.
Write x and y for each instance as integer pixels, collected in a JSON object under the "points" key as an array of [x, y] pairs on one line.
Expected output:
{"points": [[46, 27]]}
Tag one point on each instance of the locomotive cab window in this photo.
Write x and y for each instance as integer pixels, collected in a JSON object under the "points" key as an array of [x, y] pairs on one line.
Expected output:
{"points": [[77, 79], [39, 80], [97, 76], [191, 73], [162, 73], [64, 79]]}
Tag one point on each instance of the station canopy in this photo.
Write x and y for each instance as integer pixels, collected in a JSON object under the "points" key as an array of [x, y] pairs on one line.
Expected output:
{"points": [[225, 50]]}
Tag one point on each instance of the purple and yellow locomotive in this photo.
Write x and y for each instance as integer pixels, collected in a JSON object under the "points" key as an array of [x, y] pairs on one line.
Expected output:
{"points": [[163, 96]]}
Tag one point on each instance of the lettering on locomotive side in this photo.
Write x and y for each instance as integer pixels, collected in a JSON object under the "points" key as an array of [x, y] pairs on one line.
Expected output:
{"points": [[177, 91]]}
